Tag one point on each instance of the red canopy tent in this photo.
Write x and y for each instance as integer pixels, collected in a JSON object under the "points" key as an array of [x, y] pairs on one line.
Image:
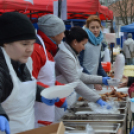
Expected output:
{"points": [[75, 8], [105, 13]]}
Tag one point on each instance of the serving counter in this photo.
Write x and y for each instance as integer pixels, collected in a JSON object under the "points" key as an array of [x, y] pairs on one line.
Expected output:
{"points": [[116, 123]]}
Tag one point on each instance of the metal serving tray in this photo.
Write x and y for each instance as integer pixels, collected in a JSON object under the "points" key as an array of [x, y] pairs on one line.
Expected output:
{"points": [[115, 99], [99, 128], [74, 110], [94, 118], [110, 98], [84, 105]]}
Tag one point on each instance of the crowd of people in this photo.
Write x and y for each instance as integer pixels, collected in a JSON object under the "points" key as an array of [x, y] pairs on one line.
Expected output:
{"points": [[31, 62]]}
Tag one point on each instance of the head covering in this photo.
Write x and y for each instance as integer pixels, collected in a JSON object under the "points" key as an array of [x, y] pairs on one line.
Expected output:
{"points": [[51, 25], [15, 26], [129, 35]]}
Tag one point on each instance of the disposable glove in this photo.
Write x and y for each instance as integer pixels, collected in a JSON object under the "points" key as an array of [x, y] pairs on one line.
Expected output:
{"points": [[104, 80], [49, 102], [103, 103], [132, 131], [64, 105], [4, 125]]}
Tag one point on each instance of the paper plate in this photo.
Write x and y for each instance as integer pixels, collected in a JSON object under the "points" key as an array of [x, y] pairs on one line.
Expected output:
{"points": [[124, 90], [104, 90], [60, 91]]}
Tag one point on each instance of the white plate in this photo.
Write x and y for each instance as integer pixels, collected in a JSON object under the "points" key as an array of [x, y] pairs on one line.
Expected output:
{"points": [[124, 89], [103, 91], [59, 91]]}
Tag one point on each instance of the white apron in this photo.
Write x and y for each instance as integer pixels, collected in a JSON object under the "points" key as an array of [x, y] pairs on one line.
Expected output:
{"points": [[93, 59], [72, 98], [46, 75], [19, 106]]}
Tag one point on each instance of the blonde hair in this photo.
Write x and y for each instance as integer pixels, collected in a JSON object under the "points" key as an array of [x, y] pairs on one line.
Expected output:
{"points": [[92, 18]]}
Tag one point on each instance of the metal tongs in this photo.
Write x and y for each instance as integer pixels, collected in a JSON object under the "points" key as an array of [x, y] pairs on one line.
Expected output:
{"points": [[70, 128], [73, 128]]}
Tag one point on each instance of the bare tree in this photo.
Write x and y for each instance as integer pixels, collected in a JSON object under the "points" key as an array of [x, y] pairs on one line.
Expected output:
{"points": [[124, 9]]}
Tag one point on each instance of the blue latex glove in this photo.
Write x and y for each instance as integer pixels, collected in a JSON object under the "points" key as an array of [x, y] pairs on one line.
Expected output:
{"points": [[104, 80], [103, 103], [4, 125], [132, 131], [49, 102], [64, 105]]}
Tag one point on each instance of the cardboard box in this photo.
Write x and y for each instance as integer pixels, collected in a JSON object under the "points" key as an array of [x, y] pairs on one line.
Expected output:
{"points": [[57, 128]]}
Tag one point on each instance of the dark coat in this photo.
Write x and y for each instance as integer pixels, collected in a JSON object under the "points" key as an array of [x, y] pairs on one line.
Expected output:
{"points": [[6, 84]]}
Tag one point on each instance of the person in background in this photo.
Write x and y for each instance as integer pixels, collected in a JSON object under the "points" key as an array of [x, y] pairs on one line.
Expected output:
{"points": [[127, 82], [132, 131], [50, 34], [69, 70], [128, 49], [90, 57], [103, 48], [18, 89]]}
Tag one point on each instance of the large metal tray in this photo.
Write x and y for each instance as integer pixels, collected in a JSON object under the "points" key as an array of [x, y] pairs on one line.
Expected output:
{"points": [[99, 128], [120, 118], [115, 99], [74, 110], [84, 105], [111, 98]]}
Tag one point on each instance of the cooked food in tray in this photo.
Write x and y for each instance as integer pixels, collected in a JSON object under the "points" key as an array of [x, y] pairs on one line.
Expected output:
{"points": [[81, 99], [118, 95]]}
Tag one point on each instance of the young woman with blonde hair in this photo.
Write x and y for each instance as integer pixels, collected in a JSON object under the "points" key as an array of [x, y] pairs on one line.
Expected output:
{"points": [[90, 56]]}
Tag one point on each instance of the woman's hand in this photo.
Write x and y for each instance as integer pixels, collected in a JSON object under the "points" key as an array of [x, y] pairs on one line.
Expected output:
{"points": [[124, 83], [4, 125], [97, 86]]}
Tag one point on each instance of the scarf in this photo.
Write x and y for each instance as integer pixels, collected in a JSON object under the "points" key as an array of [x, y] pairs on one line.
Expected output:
{"points": [[50, 46], [94, 40], [52, 40]]}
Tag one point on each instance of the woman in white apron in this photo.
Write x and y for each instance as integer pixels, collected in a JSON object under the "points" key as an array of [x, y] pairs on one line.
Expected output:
{"points": [[90, 57], [68, 68], [47, 76], [44, 64], [18, 89]]}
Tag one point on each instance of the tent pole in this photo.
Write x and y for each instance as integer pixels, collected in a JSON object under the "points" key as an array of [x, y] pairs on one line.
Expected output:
{"points": [[112, 55], [97, 13], [30, 15], [59, 8]]}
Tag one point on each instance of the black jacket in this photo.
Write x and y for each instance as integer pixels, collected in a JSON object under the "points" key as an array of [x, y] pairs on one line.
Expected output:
{"points": [[6, 84], [130, 81]]}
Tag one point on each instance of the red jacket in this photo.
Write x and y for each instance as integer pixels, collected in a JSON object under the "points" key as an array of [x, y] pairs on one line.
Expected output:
{"points": [[50, 46], [39, 60]]}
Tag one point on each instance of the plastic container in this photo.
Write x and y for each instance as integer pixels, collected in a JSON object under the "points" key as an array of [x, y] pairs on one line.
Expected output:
{"points": [[113, 82], [106, 66], [119, 66], [132, 105], [89, 129]]}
